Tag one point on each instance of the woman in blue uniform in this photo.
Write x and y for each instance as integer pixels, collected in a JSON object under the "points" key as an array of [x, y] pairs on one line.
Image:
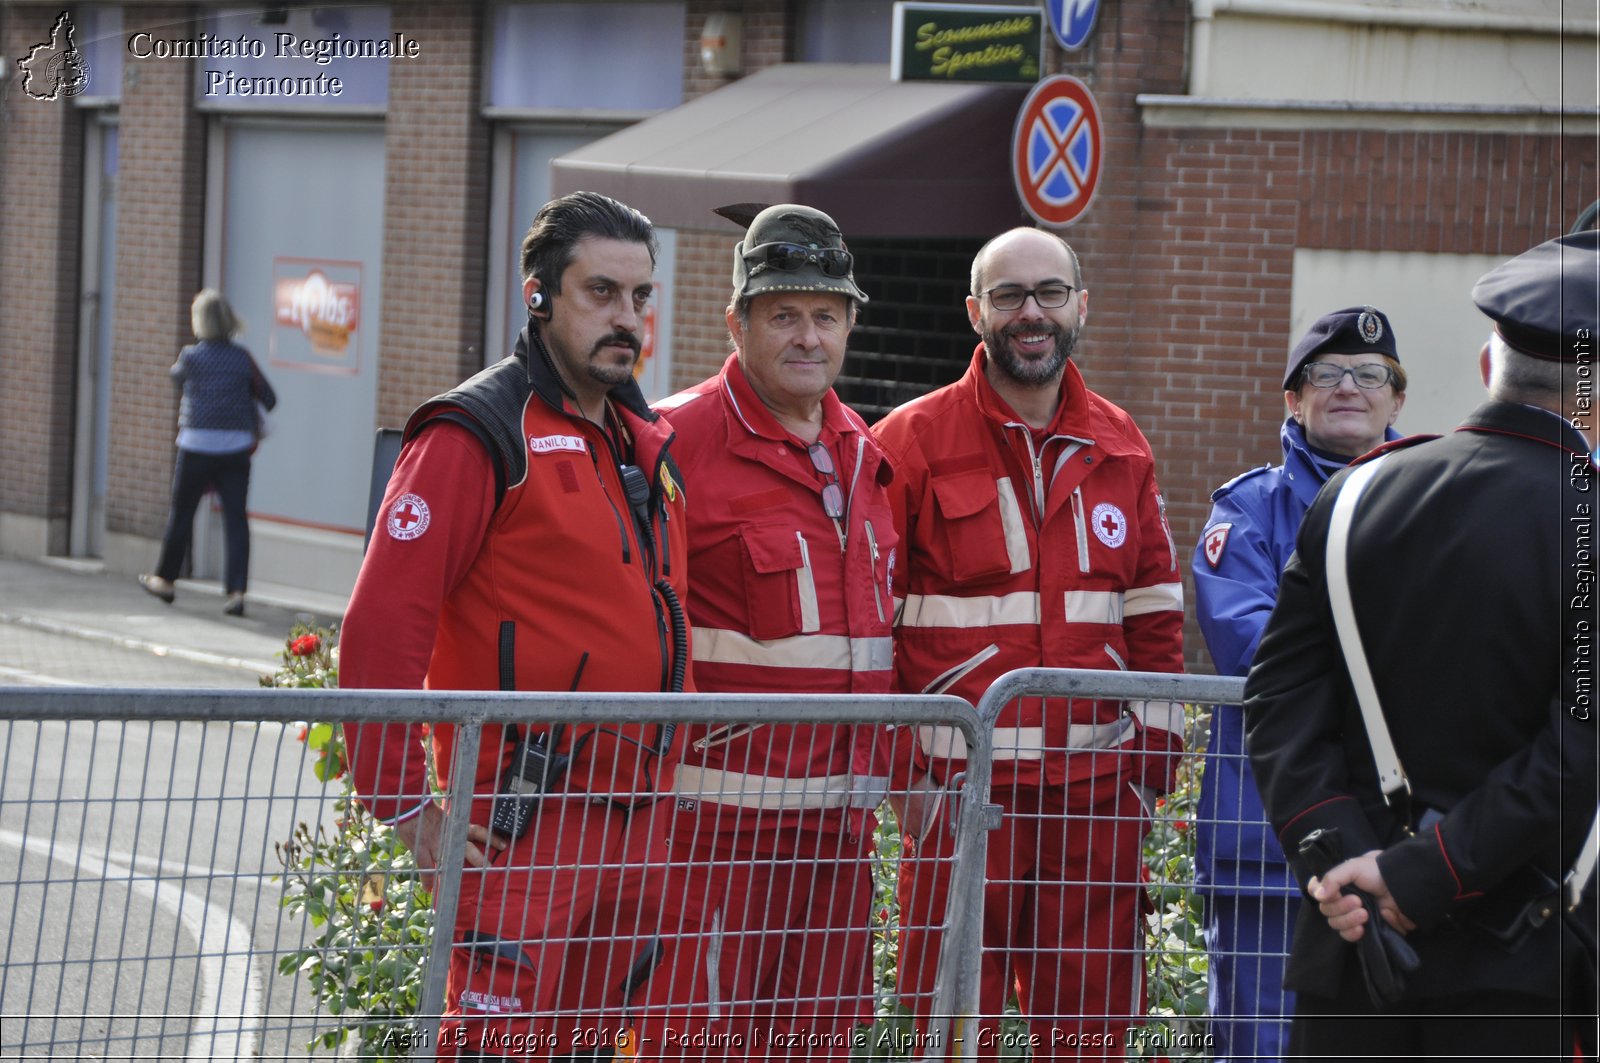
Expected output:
{"points": [[1344, 388]]}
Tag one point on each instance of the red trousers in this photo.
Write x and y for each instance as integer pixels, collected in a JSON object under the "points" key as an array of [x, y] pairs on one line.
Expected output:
{"points": [[770, 953], [557, 936], [1061, 919]]}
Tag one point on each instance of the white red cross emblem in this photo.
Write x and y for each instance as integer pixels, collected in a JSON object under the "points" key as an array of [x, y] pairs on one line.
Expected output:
{"points": [[408, 517], [1216, 539], [1110, 524]]}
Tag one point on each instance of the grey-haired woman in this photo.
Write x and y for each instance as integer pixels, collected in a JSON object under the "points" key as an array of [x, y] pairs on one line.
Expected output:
{"points": [[218, 428]]}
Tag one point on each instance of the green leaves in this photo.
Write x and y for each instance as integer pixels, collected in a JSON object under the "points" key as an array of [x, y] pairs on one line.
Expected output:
{"points": [[357, 886]]}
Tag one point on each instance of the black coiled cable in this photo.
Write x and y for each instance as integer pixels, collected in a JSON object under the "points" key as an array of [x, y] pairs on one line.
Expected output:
{"points": [[680, 652]]}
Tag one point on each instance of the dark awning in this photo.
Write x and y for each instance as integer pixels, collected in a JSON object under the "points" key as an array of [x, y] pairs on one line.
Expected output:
{"points": [[884, 158]]}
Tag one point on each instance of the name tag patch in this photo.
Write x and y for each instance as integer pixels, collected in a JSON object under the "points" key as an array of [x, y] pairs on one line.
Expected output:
{"points": [[490, 1002], [552, 444]]}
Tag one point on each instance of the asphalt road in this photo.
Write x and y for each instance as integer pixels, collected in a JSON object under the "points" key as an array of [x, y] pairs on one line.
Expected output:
{"points": [[139, 881]]}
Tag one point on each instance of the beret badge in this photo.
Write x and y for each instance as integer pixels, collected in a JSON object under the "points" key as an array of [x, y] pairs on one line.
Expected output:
{"points": [[1370, 325]]}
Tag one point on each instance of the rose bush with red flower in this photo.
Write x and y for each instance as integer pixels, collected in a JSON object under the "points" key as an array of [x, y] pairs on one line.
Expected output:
{"points": [[357, 885]]}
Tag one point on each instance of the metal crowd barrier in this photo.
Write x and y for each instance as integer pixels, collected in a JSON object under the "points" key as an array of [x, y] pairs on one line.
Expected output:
{"points": [[1075, 872], [148, 837]]}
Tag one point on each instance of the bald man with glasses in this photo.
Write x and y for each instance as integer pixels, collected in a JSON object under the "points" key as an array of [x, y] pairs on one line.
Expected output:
{"points": [[1032, 533]]}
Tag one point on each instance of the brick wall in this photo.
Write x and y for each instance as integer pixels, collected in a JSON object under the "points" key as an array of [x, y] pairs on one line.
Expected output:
{"points": [[699, 325], [435, 234], [1188, 247], [40, 185], [1442, 192], [705, 262], [161, 215], [767, 36]]}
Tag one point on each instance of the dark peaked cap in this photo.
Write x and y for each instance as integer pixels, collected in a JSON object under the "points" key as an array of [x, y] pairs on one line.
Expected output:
{"points": [[1546, 302]]}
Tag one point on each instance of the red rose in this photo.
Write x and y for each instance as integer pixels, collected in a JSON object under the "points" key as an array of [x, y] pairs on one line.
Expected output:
{"points": [[1181, 825], [305, 645]]}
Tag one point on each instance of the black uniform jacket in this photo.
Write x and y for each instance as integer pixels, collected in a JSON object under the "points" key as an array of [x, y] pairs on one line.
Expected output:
{"points": [[1472, 569]]}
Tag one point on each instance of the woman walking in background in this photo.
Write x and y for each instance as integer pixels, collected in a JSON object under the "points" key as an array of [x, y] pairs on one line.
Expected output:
{"points": [[218, 429]]}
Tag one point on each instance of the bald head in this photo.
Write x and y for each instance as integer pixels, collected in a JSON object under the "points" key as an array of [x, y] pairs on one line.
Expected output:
{"points": [[1018, 239]]}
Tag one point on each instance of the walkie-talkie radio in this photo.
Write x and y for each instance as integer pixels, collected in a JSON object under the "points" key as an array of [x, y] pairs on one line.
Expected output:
{"points": [[535, 767]]}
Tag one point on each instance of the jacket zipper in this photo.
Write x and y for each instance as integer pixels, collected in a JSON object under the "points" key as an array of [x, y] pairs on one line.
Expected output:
{"points": [[1172, 547], [872, 543], [1038, 474], [664, 650], [605, 489]]}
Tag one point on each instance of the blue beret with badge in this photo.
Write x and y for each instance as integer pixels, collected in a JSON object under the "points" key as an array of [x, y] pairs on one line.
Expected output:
{"points": [[1353, 330], [1544, 301]]}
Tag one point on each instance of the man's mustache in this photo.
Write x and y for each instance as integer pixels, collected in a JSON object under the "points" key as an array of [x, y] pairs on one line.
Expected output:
{"points": [[626, 339], [1019, 327]]}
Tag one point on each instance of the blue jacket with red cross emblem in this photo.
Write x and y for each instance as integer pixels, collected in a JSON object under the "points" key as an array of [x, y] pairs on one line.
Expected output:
{"points": [[1241, 555]]}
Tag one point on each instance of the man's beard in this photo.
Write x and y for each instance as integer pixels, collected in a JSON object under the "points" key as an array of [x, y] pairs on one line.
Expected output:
{"points": [[1036, 372], [611, 373]]}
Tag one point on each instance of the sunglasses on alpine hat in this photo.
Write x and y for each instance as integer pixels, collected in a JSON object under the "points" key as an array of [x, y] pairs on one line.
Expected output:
{"points": [[832, 261]]}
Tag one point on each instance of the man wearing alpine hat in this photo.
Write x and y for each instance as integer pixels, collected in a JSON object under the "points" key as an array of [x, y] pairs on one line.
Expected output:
{"points": [[1471, 584], [791, 548]]}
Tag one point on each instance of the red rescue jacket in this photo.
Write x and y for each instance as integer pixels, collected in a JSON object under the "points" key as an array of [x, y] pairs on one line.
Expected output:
{"points": [[555, 588], [783, 599], [1051, 547]]}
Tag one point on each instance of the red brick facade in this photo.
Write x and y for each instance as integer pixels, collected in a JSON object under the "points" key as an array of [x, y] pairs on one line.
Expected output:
{"points": [[436, 194], [41, 156], [160, 223]]}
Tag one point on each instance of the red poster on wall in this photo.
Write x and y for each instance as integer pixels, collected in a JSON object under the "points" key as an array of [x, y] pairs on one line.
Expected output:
{"points": [[317, 313]]}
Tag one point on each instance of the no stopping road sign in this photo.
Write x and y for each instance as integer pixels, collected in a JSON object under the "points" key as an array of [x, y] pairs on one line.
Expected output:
{"points": [[1056, 150]]}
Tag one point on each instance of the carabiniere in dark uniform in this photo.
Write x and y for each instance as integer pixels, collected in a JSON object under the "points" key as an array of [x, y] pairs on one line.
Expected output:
{"points": [[1472, 572]]}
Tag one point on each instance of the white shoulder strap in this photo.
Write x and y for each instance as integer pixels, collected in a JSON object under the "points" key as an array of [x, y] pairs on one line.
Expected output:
{"points": [[1391, 776], [1583, 867]]}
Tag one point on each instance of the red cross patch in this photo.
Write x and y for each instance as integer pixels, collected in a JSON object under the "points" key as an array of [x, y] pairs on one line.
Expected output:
{"points": [[408, 517], [1110, 524], [1216, 539]]}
